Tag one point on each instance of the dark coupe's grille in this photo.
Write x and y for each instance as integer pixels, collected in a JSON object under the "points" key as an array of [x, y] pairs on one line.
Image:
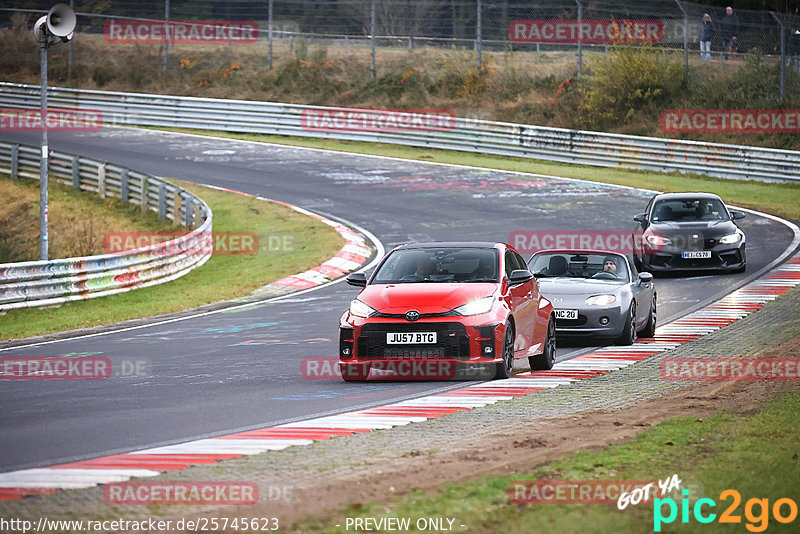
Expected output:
{"points": [[452, 342]]}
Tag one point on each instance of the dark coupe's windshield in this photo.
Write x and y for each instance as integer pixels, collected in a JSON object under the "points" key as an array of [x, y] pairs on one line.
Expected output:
{"points": [[612, 267], [690, 210], [438, 265]]}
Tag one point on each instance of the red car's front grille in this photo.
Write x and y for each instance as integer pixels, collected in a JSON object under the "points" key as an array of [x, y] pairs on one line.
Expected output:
{"points": [[452, 342]]}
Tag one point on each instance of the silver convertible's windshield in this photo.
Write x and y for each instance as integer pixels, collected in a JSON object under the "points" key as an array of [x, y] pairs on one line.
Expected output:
{"points": [[612, 267], [438, 265]]}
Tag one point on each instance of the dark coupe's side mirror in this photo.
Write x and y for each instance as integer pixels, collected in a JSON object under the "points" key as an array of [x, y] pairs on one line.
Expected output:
{"points": [[357, 279], [736, 215], [641, 218], [520, 276], [645, 278]]}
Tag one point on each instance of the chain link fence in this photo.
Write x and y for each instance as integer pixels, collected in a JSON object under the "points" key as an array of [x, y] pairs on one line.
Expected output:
{"points": [[561, 35]]}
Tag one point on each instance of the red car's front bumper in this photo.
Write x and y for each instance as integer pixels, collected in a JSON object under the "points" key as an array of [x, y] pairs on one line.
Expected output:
{"points": [[466, 340]]}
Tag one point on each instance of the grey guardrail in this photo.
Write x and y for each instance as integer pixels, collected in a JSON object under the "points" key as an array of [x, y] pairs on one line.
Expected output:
{"points": [[40, 283], [469, 135]]}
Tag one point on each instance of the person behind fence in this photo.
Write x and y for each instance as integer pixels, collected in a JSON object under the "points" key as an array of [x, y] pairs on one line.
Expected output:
{"points": [[705, 34], [793, 50], [730, 31]]}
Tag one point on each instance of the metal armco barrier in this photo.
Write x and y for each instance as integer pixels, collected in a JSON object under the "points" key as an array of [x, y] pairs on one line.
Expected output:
{"points": [[468, 135], [40, 283]]}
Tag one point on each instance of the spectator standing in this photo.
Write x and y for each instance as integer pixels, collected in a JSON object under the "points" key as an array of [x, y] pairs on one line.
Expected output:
{"points": [[706, 34], [730, 31], [794, 49]]}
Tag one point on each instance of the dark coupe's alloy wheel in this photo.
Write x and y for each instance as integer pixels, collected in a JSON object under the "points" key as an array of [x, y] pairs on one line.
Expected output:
{"points": [[505, 367], [547, 358]]}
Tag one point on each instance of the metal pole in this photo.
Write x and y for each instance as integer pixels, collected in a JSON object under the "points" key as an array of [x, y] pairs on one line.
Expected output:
{"points": [[685, 41], [43, 234], [478, 42], [783, 53], [372, 38], [269, 33], [166, 34], [580, 35], [69, 57]]}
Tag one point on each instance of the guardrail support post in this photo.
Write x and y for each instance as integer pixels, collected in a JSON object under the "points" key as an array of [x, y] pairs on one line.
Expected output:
{"points": [[15, 161], [162, 202], [196, 216], [187, 212], [176, 208], [101, 180], [145, 187], [76, 172], [123, 185]]}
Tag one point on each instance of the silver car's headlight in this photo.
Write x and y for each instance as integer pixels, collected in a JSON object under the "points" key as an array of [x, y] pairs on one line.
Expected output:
{"points": [[730, 239], [476, 307], [359, 309], [600, 300]]}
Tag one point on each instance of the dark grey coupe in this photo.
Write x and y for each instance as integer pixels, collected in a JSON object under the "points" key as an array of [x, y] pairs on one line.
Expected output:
{"points": [[596, 293], [689, 232]]}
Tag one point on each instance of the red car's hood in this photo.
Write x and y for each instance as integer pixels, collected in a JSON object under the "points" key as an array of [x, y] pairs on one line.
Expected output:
{"points": [[423, 297]]}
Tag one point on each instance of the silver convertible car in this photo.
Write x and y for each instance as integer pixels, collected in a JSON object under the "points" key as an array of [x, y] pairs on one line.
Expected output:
{"points": [[596, 293]]}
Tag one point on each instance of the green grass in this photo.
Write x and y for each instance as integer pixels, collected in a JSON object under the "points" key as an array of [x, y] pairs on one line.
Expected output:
{"points": [[222, 277], [756, 455], [778, 199]]}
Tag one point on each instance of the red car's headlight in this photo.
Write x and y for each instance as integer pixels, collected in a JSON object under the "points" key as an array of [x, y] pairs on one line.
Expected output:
{"points": [[359, 309], [476, 307]]}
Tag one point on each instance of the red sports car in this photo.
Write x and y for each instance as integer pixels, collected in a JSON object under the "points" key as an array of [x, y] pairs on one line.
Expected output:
{"points": [[443, 305]]}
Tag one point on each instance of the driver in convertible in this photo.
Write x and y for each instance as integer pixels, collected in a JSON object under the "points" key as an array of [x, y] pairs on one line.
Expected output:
{"points": [[610, 265]]}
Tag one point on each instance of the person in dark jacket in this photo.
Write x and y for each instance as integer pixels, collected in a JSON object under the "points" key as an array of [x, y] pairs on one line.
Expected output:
{"points": [[730, 31], [793, 50], [706, 34]]}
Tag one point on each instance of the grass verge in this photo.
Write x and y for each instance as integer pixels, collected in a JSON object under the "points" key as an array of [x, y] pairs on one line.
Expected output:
{"points": [[77, 220], [754, 455], [778, 199], [309, 243]]}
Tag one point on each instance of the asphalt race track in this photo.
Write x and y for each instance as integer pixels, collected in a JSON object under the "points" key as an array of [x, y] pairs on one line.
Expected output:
{"points": [[240, 369]]}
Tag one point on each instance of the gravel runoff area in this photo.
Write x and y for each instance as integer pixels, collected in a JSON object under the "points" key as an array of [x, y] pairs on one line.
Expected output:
{"points": [[300, 474]]}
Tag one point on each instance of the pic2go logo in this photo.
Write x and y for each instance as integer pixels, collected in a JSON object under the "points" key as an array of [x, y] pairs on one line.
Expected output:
{"points": [[756, 511]]}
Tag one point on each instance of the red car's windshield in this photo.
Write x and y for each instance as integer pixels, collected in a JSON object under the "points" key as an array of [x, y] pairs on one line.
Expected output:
{"points": [[410, 265]]}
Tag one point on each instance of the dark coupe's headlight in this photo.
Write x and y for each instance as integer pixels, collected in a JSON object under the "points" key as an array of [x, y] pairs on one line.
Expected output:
{"points": [[730, 239]]}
